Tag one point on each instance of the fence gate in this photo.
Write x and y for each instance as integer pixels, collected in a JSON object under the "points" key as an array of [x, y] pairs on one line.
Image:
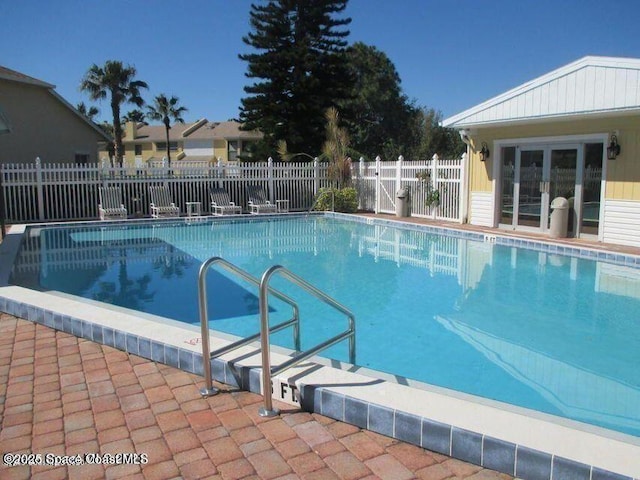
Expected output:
{"points": [[377, 184]]}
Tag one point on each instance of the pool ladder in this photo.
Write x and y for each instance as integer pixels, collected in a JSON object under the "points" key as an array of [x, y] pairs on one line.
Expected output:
{"points": [[264, 291], [315, 202]]}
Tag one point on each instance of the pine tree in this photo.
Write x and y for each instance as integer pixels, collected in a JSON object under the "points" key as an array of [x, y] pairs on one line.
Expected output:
{"points": [[300, 69]]}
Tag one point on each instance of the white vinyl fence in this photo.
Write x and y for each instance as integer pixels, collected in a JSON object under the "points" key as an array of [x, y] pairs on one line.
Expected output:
{"points": [[378, 182], [53, 192], [57, 192]]}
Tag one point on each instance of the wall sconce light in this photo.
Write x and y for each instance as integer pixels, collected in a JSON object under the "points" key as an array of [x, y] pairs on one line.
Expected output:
{"points": [[613, 150], [484, 152]]}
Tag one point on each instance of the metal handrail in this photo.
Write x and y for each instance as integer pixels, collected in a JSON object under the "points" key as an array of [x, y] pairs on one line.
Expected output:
{"points": [[267, 372], [333, 202], [207, 354]]}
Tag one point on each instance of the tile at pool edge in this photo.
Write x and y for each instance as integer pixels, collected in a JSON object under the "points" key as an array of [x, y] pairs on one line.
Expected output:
{"points": [[466, 445], [532, 464], [598, 474], [144, 347], [381, 420], [564, 469], [499, 455], [407, 427], [132, 343], [120, 340], [436, 436], [333, 405], [97, 333], [356, 412], [157, 352]]}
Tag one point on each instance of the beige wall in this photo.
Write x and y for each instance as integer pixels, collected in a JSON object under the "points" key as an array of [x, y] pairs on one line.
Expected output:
{"points": [[220, 149], [623, 173], [42, 126], [148, 151]]}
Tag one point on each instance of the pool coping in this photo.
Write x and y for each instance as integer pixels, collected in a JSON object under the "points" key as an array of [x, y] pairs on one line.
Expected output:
{"points": [[504, 438]]}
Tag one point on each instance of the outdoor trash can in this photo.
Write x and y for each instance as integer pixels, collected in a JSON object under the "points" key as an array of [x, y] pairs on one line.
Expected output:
{"points": [[402, 202], [559, 218]]}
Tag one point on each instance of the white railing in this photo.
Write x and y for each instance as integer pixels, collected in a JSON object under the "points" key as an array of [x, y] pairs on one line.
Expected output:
{"points": [[57, 192]]}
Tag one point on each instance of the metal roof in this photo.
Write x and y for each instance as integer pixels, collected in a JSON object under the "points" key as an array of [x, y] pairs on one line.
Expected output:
{"points": [[590, 86]]}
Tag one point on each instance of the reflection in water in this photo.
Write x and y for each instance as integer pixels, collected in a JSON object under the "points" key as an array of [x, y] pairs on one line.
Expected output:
{"points": [[539, 330], [131, 268], [577, 349]]}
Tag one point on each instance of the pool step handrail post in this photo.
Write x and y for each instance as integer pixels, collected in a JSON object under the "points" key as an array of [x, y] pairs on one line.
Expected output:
{"points": [[267, 410], [333, 202], [207, 354], [267, 371], [208, 390]]}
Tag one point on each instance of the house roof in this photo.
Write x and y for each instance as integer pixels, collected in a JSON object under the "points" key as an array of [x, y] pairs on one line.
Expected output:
{"points": [[200, 130], [231, 130], [13, 76], [591, 86]]}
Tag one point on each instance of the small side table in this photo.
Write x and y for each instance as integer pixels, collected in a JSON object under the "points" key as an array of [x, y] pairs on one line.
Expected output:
{"points": [[282, 206], [194, 209]]}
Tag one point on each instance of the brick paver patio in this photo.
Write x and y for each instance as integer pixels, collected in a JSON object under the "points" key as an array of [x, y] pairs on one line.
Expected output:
{"points": [[67, 396]]}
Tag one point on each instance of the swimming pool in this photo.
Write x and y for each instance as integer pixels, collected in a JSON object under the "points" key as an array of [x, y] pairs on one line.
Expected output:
{"points": [[536, 329]]}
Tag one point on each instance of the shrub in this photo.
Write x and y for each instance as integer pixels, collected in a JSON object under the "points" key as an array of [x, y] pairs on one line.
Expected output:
{"points": [[346, 200]]}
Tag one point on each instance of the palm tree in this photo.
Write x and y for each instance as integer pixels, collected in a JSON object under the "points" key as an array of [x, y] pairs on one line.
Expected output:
{"points": [[134, 115], [88, 112], [166, 109], [117, 82], [336, 149]]}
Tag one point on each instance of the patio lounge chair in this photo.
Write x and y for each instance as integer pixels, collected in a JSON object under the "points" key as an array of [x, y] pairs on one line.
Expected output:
{"points": [[258, 202], [221, 204], [161, 203], [111, 205]]}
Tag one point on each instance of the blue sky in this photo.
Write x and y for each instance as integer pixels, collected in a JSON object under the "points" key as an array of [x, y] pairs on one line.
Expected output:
{"points": [[450, 54]]}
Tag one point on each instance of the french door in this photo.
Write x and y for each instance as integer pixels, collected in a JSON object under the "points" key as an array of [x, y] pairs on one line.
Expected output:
{"points": [[533, 175]]}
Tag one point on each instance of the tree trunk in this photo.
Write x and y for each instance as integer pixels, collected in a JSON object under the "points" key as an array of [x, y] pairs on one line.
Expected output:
{"points": [[117, 133], [166, 127]]}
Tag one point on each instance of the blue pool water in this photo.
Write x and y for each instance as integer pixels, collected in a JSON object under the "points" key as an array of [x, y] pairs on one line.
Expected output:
{"points": [[543, 331]]}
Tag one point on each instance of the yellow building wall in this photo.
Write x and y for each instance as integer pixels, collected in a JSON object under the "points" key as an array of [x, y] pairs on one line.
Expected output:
{"points": [[623, 173], [148, 151], [220, 150], [43, 127]]}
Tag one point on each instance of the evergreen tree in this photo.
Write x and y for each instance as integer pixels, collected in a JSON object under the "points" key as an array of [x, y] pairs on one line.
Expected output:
{"points": [[300, 70], [379, 116], [436, 139]]}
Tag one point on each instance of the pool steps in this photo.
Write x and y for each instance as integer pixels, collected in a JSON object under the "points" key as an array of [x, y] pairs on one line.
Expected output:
{"points": [[265, 346]]}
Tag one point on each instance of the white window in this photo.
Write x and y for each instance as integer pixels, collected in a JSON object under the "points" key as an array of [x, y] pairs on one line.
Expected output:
{"points": [[232, 150], [162, 146]]}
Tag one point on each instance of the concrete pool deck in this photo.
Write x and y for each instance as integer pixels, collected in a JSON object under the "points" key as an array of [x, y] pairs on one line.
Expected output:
{"points": [[65, 395]]}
